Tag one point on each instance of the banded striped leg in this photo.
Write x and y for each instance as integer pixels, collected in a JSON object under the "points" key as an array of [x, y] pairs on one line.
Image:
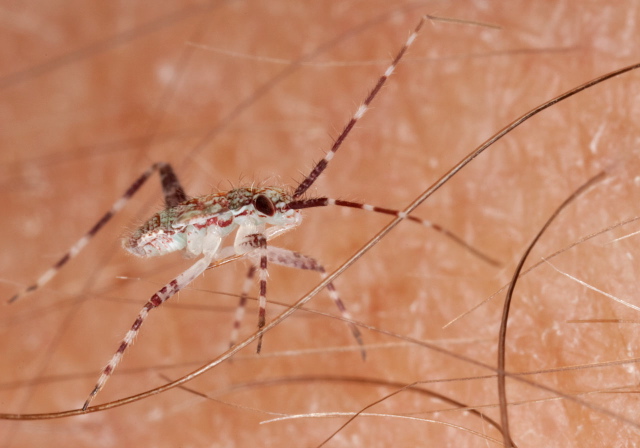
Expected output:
{"points": [[323, 202], [261, 243], [254, 244], [240, 311], [322, 165], [173, 195], [291, 259], [171, 187], [164, 294]]}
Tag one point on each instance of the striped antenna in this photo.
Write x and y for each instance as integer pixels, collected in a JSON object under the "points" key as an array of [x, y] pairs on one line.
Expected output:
{"points": [[324, 202], [320, 167]]}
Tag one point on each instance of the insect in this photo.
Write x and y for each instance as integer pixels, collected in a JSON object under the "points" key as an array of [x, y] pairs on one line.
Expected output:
{"points": [[529, 156], [199, 226]]}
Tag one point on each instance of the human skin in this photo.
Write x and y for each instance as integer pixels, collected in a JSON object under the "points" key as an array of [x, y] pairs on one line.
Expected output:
{"points": [[77, 133]]}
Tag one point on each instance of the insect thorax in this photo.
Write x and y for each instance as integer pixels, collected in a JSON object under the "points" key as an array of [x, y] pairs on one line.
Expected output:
{"points": [[168, 230]]}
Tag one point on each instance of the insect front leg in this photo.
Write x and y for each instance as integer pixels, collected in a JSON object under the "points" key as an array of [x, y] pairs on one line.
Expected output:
{"points": [[252, 237]]}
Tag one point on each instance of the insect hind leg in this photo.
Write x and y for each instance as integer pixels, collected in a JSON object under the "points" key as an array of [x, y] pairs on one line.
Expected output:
{"points": [[171, 187], [172, 192]]}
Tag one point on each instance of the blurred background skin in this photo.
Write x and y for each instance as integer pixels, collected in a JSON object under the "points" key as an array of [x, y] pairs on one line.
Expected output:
{"points": [[92, 94]]}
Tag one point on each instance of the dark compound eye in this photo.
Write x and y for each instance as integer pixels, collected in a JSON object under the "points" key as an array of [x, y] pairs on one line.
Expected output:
{"points": [[264, 205]]}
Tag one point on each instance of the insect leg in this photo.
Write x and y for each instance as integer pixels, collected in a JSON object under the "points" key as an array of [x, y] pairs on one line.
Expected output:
{"points": [[172, 190], [164, 294], [242, 305], [291, 259]]}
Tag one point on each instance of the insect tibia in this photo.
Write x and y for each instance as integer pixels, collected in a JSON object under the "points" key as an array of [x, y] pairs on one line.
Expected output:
{"points": [[23, 293]]}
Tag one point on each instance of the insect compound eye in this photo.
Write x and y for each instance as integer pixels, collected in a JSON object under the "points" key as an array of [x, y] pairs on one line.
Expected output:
{"points": [[264, 205]]}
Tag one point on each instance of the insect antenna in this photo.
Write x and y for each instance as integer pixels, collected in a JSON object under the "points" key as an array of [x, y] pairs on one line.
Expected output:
{"points": [[323, 202], [322, 165]]}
